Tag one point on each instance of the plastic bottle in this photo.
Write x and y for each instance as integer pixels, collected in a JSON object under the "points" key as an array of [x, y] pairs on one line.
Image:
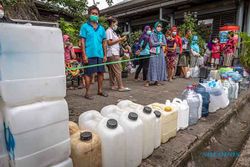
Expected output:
{"points": [[4, 158], [90, 120], [183, 113], [157, 129], [113, 143], [234, 88], [194, 104], [227, 87], [86, 149], [205, 99]]}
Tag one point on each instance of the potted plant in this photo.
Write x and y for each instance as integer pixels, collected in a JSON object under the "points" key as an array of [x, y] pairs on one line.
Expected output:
{"points": [[245, 51]]}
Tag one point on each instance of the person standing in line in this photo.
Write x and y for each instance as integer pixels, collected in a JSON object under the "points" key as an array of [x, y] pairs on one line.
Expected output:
{"points": [[228, 50], [179, 49], [194, 51], [94, 50], [157, 64], [113, 55], [171, 56], [145, 54], [216, 51]]}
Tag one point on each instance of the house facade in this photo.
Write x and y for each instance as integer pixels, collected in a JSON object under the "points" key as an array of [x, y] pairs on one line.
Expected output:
{"points": [[134, 14]]}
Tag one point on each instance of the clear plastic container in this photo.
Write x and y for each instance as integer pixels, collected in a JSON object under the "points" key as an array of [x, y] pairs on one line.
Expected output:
{"points": [[168, 120], [111, 111], [89, 120], [24, 130], [183, 113], [194, 104], [86, 149], [205, 99], [113, 143]]}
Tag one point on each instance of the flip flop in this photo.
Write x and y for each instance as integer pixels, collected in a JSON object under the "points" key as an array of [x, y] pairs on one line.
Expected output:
{"points": [[88, 97], [103, 94], [124, 89]]}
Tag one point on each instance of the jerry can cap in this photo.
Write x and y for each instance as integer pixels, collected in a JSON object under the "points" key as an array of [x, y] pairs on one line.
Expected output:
{"points": [[147, 110], [112, 124], [157, 114], [85, 136], [133, 116]]}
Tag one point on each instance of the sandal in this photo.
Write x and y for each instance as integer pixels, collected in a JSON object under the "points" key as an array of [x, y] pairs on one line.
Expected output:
{"points": [[103, 94], [81, 87], [88, 97], [124, 89], [114, 88], [146, 84]]}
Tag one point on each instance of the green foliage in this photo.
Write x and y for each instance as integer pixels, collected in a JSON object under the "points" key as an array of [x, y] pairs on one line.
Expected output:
{"points": [[133, 36], [245, 52], [73, 7], [8, 3], [202, 31]]}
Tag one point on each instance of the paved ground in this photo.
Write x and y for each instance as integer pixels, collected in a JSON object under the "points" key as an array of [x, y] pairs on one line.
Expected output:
{"points": [[139, 94], [172, 152]]}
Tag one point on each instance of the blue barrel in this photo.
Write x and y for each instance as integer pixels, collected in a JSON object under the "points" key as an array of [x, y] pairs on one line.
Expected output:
{"points": [[205, 98]]}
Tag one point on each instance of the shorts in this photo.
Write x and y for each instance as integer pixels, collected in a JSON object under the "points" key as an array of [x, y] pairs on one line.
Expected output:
{"points": [[215, 61], [98, 69]]}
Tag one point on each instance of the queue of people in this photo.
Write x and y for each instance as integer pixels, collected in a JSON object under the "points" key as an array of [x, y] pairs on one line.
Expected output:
{"points": [[160, 54]]}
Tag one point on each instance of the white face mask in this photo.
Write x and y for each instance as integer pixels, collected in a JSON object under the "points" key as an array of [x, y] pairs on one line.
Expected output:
{"points": [[1, 13], [115, 27]]}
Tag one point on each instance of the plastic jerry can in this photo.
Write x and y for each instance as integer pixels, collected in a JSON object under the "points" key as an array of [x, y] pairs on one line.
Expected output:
{"points": [[73, 128], [45, 123], [130, 106], [66, 163], [113, 143], [41, 75], [183, 113], [4, 157], [86, 149], [111, 111], [157, 129], [133, 128], [90, 120], [168, 120]]}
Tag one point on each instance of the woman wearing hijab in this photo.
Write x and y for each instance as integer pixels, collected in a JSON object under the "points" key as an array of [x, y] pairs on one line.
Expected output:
{"points": [[157, 65], [144, 53], [195, 51]]}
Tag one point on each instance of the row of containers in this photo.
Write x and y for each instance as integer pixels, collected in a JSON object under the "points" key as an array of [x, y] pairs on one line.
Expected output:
{"points": [[33, 112], [124, 134]]}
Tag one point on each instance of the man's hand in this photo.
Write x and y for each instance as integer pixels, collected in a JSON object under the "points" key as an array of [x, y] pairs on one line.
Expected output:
{"points": [[85, 60]]}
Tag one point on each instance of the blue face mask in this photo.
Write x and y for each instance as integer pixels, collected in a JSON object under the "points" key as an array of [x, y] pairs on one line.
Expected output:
{"points": [[94, 18], [149, 32]]}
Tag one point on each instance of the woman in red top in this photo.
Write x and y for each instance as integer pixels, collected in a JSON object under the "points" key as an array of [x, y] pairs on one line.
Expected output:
{"points": [[228, 50], [216, 50]]}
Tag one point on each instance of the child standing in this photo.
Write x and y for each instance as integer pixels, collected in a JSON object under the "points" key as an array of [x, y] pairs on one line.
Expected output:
{"points": [[216, 50]]}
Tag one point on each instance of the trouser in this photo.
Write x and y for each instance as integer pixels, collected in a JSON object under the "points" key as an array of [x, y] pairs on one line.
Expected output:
{"points": [[176, 65], [115, 71], [143, 65]]}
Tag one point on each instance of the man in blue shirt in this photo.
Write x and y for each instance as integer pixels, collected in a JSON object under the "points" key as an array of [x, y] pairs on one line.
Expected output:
{"points": [[94, 46]]}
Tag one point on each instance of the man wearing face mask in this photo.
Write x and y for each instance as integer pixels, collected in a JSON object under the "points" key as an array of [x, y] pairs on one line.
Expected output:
{"points": [[113, 55], [94, 50], [3, 18]]}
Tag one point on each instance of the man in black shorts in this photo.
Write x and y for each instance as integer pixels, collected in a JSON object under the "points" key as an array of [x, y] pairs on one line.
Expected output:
{"points": [[94, 46]]}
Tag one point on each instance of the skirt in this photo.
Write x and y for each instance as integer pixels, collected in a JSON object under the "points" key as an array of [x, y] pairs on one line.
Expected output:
{"points": [[228, 59]]}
